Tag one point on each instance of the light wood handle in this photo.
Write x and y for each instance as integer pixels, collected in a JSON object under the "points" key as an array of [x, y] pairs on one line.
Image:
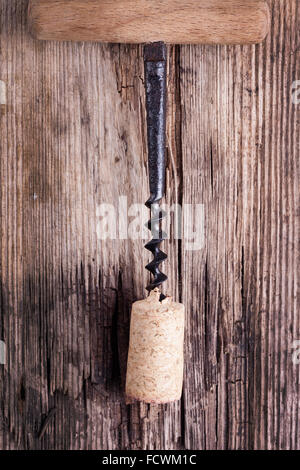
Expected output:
{"points": [[140, 21]]}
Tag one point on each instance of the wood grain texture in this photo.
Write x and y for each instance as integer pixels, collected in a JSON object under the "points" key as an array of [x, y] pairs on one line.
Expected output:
{"points": [[171, 21], [72, 137]]}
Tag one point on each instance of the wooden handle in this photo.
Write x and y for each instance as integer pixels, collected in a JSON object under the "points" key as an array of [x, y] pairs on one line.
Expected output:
{"points": [[140, 21]]}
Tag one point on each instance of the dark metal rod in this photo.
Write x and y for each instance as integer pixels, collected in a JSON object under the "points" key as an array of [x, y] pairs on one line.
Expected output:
{"points": [[156, 94]]}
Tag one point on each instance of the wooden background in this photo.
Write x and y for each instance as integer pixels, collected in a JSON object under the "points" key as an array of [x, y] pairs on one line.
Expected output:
{"points": [[72, 137]]}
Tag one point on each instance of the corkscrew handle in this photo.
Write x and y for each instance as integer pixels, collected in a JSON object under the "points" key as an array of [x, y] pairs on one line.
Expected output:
{"points": [[155, 83]]}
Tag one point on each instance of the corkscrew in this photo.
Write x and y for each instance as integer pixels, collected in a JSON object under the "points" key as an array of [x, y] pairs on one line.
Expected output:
{"points": [[155, 356], [155, 85], [205, 22]]}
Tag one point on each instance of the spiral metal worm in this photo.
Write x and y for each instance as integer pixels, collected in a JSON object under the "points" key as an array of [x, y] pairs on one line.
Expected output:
{"points": [[159, 256], [155, 84]]}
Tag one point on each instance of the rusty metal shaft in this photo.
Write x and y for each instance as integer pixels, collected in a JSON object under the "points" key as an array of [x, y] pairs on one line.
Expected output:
{"points": [[156, 94]]}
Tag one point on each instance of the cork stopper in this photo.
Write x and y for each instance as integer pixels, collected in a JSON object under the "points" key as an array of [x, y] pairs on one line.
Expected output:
{"points": [[155, 357]]}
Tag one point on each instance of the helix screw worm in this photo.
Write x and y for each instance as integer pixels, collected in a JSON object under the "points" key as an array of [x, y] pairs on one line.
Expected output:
{"points": [[156, 94]]}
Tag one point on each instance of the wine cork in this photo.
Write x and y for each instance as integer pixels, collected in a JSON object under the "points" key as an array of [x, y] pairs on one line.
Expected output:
{"points": [[155, 356]]}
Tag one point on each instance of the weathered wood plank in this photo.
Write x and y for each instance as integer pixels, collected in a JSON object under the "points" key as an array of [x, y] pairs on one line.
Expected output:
{"points": [[73, 137], [240, 142]]}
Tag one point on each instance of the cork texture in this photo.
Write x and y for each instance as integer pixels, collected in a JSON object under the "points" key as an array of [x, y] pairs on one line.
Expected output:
{"points": [[155, 356]]}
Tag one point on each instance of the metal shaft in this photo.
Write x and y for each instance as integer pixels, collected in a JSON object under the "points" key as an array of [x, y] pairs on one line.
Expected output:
{"points": [[156, 94]]}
